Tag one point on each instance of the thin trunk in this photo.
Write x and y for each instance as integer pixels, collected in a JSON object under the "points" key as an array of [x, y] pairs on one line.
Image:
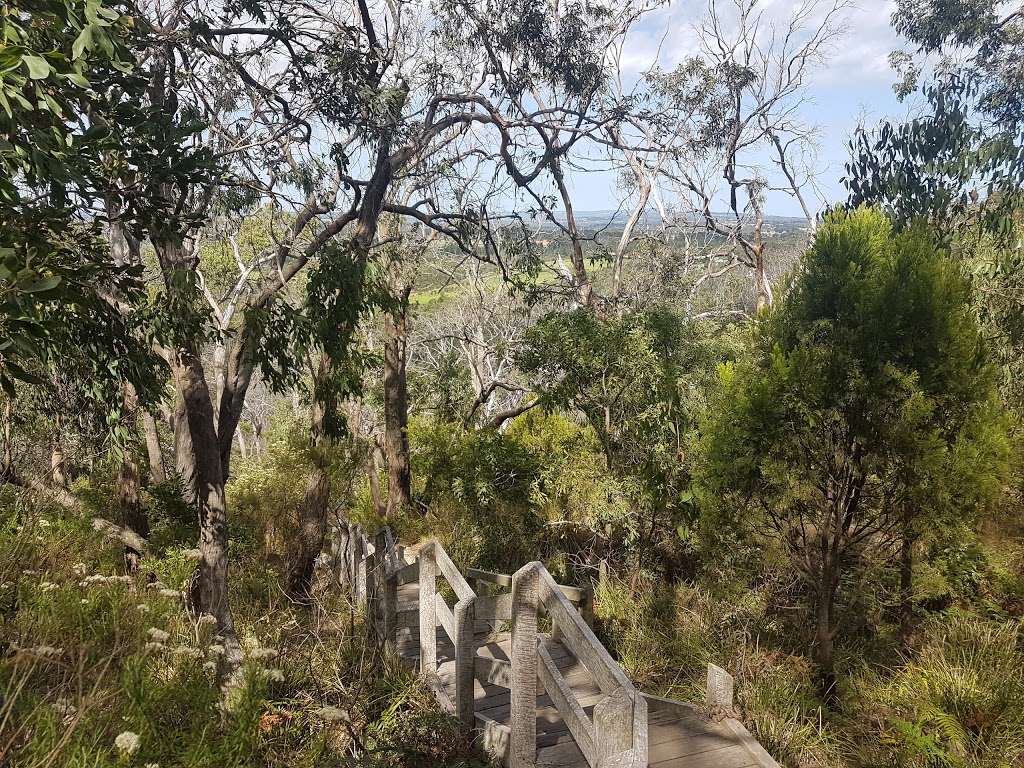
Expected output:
{"points": [[243, 449], [313, 512], [584, 289], [197, 456], [57, 474], [759, 272], [906, 586], [133, 516], [157, 472], [374, 477], [396, 412], [8, 462], [129, 488], [824, 651]]}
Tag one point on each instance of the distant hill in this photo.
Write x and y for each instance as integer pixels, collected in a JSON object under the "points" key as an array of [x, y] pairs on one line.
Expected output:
{"points": [[616, 219]]}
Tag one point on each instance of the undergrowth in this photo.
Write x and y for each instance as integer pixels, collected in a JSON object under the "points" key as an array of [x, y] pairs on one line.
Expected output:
{"points": [[103, 670]]}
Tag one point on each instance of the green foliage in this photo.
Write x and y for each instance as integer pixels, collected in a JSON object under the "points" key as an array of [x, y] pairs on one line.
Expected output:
{"points": [[868, 410], [957, 703]]}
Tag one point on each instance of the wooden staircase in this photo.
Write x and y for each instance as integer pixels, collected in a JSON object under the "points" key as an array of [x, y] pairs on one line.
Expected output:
{"points": [[532, 697]]}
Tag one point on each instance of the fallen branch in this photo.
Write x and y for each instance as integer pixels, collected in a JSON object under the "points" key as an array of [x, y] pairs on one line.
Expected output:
{"points": [[126, 536], [62, 496]]}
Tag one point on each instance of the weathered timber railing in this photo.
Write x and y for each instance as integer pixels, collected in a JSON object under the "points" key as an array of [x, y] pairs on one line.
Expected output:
{"points": [[614, 737], [617, 735]]}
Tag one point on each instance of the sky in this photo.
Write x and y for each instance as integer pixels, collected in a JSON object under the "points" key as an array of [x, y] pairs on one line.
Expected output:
{"points": [[854, 86]]}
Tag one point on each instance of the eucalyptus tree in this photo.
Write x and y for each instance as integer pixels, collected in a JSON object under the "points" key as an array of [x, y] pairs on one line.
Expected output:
{"points": [[728, 126]]}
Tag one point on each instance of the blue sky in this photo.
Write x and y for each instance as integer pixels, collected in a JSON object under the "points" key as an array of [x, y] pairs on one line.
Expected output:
{"points": [[855, 85]]}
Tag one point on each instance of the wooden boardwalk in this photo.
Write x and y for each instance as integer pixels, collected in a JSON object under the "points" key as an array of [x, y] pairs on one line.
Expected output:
{"points": [[579, 712], [679, 736]]}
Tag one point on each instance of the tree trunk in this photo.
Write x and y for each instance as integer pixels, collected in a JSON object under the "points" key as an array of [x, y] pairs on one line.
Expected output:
{"points": [[824, 640], [129, 487], [760, 277], [133, 517], [396, 412], [157, 472], [7, 468], [314, 509], [57, 474], [197, 456], [906, 586], [374, 478]]}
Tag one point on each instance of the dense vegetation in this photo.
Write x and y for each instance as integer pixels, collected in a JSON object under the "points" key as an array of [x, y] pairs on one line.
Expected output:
{"points": [[267, 267]]}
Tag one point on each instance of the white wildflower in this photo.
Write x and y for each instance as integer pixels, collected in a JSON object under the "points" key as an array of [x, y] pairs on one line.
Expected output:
{"points": [[79, 569], [262, 653], [170, 593], [184, 650], [47, 651], [332, 713], [210, 666], [156, 585], [6, 585], [83, 601], [275, 675], [155, 646], [48, 586], [120, 579], [143, 608], [43, 523], [158, 634], [250, 643], [206, 618], [30, 572], [127, 742], [151, 765], [217, 650]]}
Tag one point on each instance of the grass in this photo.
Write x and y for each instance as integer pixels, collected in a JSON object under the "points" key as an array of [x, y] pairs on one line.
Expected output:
{"points": [[102, 670]]}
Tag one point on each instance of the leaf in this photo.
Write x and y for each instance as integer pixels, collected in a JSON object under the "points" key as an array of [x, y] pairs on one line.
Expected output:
{"points": [[38, 68], [46, 284], [76, 79], [83, 42]]}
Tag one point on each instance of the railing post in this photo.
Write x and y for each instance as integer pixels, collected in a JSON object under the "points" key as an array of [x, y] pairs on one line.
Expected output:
{"points": [[428, 621], [381, 562], [720, 688], [465, 679], [523, 709], [620, 731], [587, 604], [361, 557]]}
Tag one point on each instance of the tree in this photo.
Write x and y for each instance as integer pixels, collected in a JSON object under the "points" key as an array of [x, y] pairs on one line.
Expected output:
{"points": [[724, 129], [868, 413], [982, 38]]}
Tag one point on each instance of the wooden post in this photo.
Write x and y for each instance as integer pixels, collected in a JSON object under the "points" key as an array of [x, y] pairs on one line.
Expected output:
{"points": [[620, 731], [428, 621], [361, 559], [523, 708], [587, 605], [720, 687], [381, 561], [391, 611], [465, 663]]}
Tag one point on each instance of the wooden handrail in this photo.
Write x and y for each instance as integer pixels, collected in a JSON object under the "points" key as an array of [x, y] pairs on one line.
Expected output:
{"points": [[617, 736], [614, 736]]}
